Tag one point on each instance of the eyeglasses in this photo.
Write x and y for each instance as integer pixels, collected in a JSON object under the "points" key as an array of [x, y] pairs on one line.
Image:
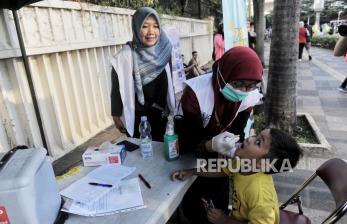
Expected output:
{"points": [[241, 85]]}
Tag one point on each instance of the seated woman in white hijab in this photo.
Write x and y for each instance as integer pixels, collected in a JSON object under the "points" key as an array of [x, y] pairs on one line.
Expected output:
{"points": [[141, 77]]}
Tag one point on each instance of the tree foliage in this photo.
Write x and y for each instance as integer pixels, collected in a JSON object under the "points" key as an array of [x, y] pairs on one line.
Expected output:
{"points": [[330, 12], [189, 8]]}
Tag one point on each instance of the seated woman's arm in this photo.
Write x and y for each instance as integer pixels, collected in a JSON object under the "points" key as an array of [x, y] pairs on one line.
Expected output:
{"points": [[193, 133]]}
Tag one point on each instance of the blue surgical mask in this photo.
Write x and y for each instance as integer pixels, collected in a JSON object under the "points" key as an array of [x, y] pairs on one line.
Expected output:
{"points": [[232, 94], [229, 92]]}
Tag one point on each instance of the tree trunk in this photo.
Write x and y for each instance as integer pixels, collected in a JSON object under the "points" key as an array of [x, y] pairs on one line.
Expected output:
{"points": [[280, 105], [259, 24], [199, 8], [184, 4]]}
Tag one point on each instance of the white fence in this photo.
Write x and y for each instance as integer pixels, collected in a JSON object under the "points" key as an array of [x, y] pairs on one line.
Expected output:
{"points": [[68, 45]]}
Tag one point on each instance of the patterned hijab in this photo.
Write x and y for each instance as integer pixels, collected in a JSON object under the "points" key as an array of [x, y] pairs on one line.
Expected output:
{"points": [[238, 63], [148, 62]]}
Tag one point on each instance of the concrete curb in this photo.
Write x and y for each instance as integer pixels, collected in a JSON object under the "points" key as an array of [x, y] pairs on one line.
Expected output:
{"points": [[320, 148]]}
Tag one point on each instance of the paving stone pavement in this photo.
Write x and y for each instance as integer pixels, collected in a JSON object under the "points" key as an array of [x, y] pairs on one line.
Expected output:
{"points": [[317, 94]]}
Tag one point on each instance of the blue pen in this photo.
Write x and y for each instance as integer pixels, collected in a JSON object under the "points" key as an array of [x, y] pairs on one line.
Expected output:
{"points": [[101, 185]]}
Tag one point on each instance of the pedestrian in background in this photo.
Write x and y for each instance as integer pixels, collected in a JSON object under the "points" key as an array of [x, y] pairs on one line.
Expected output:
{"points": [[219, 47], [308, 41], [141, 77], [302, 38], [187, 69], [252, 41], [195, 71], [341, 50]]}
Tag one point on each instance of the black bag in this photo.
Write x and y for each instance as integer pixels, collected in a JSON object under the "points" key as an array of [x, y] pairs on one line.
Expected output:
{"points": [[342, 29], [308, 38], [178, 120], [179, 126]]}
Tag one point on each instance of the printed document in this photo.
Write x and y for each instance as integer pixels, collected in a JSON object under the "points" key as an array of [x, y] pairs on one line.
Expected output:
{"points": [[82, 192], [125, 197]]}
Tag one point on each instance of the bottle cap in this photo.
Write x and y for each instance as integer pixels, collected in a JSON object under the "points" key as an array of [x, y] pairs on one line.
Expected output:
{"points": [[143, 118], [170, 130]]}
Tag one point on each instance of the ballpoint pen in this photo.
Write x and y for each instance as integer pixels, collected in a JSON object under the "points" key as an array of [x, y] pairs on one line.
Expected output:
{"points": [[99, 184], [144, 181], [211, 205]]}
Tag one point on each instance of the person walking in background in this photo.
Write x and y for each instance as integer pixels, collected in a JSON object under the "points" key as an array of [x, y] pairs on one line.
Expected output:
{"points": [[142, 82], [219, 47], [251, 36], [302, 38], [308, 41], [340, 50]]}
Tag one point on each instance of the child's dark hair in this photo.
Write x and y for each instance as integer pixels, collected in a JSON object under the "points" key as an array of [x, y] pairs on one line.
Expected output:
{"points": [[283, 147], [193, 52]]}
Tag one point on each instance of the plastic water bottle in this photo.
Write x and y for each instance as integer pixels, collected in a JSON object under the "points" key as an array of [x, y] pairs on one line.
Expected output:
{"points": [[146, 138], [171, 142]]}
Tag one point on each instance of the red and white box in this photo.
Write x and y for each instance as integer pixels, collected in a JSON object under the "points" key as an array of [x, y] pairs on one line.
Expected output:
{"points": [[106, 153], [3, 216]]}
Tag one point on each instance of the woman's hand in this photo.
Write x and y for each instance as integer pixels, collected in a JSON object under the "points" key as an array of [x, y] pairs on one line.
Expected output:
{"points": [[119, 124], [225, 143], [217, 216], [208, 145], [181, 175]]}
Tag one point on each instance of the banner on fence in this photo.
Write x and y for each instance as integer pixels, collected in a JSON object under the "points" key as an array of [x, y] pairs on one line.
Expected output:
{"points": [[235, 23], [178, 74]]}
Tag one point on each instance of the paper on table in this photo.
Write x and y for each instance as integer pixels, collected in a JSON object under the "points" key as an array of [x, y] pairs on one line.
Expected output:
{"points": [[110, 173], [81, 191], [126, 197]]}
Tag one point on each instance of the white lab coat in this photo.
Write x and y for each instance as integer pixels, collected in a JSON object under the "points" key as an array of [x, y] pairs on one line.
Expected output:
{"points": [[122, 63]]}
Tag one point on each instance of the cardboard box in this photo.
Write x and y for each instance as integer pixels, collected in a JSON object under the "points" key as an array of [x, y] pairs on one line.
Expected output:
{"points": [[106, 153]]}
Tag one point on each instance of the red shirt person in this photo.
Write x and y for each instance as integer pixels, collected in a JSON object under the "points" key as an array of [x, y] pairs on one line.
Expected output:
{"points": [[302, 38]]}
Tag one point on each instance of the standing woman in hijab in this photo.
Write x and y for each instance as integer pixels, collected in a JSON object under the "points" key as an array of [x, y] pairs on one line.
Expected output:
{"points": [[141, 77], [212, 104]]}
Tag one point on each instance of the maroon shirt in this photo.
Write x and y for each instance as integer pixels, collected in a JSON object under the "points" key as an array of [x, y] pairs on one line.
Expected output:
{"points": [[195, 135]]}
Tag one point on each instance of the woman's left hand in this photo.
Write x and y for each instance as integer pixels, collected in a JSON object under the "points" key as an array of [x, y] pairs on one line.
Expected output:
{"points": [[216, 216], [119, 124], [181, 175]]}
